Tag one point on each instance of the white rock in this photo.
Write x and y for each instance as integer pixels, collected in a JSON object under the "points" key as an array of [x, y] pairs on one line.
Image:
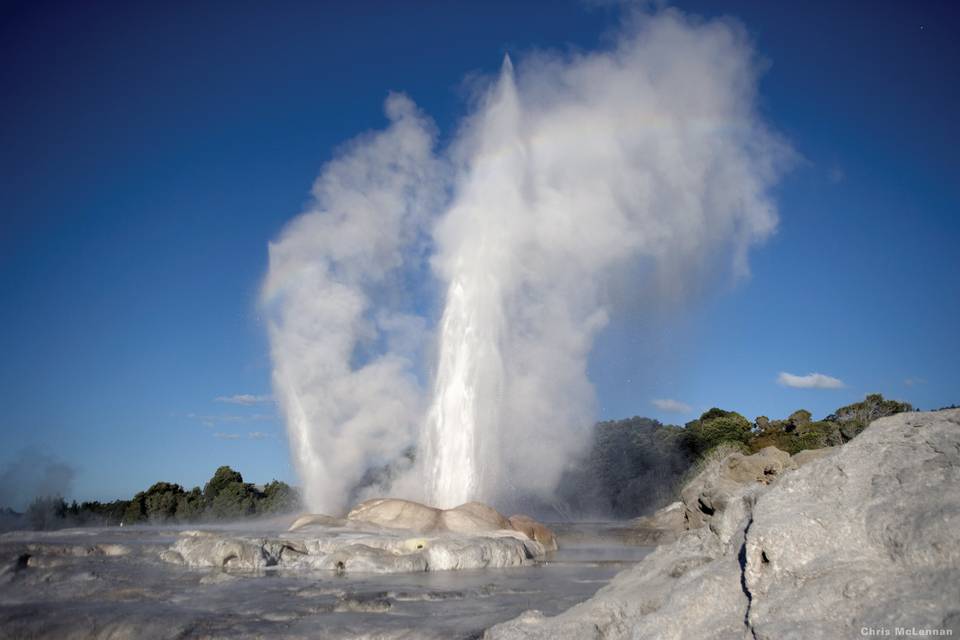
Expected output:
{"points": [[865, 538]]}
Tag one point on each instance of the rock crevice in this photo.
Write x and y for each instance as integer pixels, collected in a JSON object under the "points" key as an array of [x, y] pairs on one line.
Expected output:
{"points": [[864, 536]]}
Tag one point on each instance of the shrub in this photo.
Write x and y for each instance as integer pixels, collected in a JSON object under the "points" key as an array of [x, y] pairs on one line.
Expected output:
{"points": [[235, 500], [190, 505], [717, 426], [854, 418], [222, 478], [160, 501], [278, 497]]}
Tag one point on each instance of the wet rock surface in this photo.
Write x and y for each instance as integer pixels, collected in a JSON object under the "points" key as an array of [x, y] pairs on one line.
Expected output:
{"points": [[325, 580], [865, 537]]}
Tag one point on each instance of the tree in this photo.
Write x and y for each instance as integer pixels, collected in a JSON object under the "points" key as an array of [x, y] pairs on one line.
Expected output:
{"points": [[855, 417], [235, 500], [222, 478], [190, 505], [160, 501], [716, 426], [278, 497], [136, 510]]}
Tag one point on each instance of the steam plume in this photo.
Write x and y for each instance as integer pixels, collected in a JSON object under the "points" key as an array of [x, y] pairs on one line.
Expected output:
{"points": [[34, 474], [334, 290], [646, 158]]}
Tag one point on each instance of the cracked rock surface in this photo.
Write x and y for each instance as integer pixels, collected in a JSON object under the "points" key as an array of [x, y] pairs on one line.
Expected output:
{"points": [[865, 537]]}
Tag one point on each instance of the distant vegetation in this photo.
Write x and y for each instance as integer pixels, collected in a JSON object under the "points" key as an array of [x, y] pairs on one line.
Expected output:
{"points": [[635, 465], [225, 497]]}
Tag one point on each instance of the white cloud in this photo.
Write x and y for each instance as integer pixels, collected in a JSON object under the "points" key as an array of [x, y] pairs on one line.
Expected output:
{"points": [[253, 435], [910, 382], [809, 381], [213, 420], [671, 406], [245, 399]]}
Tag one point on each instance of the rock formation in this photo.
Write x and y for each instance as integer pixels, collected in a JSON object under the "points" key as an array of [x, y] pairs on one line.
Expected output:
{"points": [[470, 518], [378, 536], [865, 537]]}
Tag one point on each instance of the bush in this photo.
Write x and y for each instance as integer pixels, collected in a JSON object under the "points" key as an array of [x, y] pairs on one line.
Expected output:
{"points": [[160, 501], [278, 497], [854, 418], [717, 426], [222, 478], [235, 500], [190, 506]]}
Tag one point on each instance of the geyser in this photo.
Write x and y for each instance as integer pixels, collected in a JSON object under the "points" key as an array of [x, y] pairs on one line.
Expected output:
{"points": [[648, 158]]}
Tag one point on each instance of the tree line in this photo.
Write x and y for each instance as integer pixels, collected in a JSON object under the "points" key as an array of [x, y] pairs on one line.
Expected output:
{"points": [[224, 497]]}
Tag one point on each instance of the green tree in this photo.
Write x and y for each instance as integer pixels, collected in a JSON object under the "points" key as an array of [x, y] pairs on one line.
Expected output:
{"points": [[190, 505], [235, 500], [278, 497], [717, 426], [136, 510], [854, 418], [222, 478], [160, 501]]}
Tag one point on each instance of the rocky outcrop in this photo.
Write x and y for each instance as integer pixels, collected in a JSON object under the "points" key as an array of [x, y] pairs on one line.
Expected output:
{"points": [[865, 538], [344, 550], [472, 517], [534, 530], [809, 455], [316, 519], [469, 518], [720, 494], [377, 536], [397, 514], [661, 527]]}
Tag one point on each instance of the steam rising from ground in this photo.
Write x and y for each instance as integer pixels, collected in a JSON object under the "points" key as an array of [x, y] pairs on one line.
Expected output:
{"points": [[648, 158], [34, 474]]}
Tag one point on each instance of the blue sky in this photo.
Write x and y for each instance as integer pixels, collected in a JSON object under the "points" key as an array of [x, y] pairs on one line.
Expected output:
{"points": [[150, 153]]}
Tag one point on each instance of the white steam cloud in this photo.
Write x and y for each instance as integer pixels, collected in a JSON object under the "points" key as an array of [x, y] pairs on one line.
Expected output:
{"points": [[648, 158]]}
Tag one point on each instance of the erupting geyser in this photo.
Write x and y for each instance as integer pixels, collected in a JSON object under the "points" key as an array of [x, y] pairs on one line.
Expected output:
{"points": [[647, 157]]}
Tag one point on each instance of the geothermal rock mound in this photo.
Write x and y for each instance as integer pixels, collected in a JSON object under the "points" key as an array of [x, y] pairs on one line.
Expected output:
{"points": [[864, 537], [377, 536]]}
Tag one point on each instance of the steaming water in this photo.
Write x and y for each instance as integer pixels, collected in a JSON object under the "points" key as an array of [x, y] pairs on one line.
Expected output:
{"points": [[138, 596], [463, 420], [642, 171]]}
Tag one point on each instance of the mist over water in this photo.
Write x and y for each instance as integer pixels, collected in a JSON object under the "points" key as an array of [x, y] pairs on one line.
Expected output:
{"points": [[646, 157]]}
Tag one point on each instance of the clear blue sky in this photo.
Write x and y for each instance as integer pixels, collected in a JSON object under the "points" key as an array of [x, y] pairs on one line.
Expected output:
{"points": [[149, 152]]}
